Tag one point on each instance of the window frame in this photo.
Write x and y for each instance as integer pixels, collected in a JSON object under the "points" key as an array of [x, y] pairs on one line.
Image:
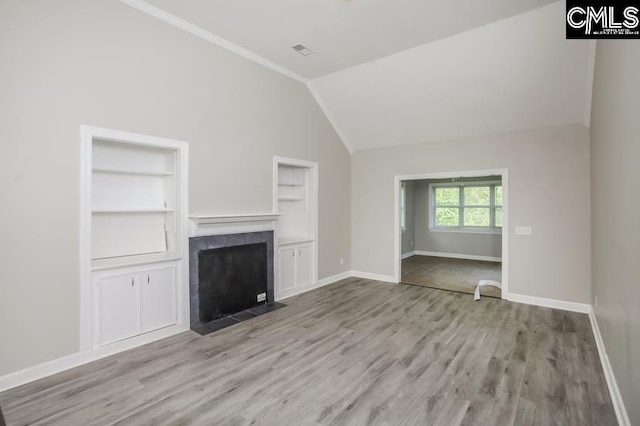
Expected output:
{"points": [[491, 229]]}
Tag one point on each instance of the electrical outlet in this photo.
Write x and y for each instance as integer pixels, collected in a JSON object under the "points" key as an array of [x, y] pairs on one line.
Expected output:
{"points": [[262, 297], [411, 243], [342, 260]]}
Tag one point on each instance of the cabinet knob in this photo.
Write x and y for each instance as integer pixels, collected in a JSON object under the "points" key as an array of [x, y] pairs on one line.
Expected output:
{"points": [[293, 253], [131, 281], [299, 252], [148, 278]]}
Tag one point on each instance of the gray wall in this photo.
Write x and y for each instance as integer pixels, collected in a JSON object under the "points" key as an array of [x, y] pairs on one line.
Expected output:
{"points": [[615, 207], [549, 191], [103, 63], [408, 236], [476, 244]]}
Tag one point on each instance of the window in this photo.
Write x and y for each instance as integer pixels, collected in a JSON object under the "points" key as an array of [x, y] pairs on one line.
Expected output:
{"points": [[468, 206], [403, 206]]}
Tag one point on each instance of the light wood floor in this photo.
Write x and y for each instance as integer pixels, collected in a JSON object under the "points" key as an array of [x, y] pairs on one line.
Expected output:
{"points": [[357, 352], [460, 275]]}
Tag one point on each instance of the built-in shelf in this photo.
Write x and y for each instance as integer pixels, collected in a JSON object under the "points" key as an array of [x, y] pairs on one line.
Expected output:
{"points": [[132, 239], [131, 171], [133, 198], [292, 200], [151, 210], [292, 186], [293, 240], [295, 196], [135, 260]]}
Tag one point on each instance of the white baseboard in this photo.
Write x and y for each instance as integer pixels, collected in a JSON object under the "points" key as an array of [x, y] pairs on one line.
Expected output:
{"points": [[408, 254], [457, 256], [616, 398], [77, 359], [320, 283], [334, 278], [376, 277], [40, 371], [549, 303]]}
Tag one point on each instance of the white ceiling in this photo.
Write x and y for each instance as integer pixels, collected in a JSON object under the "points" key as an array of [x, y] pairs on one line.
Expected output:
{"points": [[397, 72], [519, 73], [342, 33]]}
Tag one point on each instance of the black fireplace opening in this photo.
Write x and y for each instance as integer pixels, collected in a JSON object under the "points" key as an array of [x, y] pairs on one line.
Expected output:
{"points": [[231, 279]]}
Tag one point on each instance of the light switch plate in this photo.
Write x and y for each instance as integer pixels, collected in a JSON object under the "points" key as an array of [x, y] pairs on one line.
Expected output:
{"points": [[523, 230]]}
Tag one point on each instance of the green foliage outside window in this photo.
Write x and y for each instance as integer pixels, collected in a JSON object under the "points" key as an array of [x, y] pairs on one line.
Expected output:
{"points": [[477, 216], [447, 216], [448, 196], [477, 196], [475, 202]]}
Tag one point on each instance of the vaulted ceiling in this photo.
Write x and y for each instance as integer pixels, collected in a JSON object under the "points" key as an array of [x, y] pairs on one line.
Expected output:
{"points": [[395, 72], [516, 74], [341, 33]]}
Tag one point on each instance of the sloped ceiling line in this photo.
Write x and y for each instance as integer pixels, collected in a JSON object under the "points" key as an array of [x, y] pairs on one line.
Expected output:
{"points": [[327, 112], [204, 34], [513, 74]]}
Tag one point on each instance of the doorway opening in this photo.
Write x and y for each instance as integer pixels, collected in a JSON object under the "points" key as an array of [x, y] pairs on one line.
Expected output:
{"points": [[449, 231]]}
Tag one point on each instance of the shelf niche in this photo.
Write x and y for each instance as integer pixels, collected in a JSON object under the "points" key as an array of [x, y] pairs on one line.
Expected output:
{"points": [[293, 202], [133, 190]]}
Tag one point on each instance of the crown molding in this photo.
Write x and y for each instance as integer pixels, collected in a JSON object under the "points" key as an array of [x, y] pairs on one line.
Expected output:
{"points": [[149, 9], [145, 7]]}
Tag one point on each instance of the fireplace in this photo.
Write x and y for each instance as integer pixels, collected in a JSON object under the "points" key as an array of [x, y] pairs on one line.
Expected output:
{"points": [[230, 279]]}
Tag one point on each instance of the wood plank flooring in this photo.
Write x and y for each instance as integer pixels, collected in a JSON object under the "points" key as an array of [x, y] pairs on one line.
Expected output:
{"points": [[461, 275], [357, 352]]}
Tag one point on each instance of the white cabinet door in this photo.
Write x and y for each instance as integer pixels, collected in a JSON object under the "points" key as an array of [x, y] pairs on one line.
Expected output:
{"points": [[287, 269], [303, 265], [119, 305], [158, 298]]}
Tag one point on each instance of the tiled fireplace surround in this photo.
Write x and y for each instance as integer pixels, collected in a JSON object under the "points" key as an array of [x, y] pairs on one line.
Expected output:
{"points": [[207, 242]]}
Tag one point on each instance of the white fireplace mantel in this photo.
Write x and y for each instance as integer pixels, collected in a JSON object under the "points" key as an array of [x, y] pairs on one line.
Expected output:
{"points": [[231, 224]]}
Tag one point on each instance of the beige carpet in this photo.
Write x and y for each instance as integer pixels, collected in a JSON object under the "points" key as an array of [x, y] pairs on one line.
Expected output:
{"points": [[459, 275]]}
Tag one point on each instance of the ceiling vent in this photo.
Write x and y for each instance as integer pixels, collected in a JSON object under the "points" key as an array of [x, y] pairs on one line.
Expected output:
{"points": [[303, 50]]}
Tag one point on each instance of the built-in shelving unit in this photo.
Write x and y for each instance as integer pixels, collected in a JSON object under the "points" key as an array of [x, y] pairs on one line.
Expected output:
{"points": [[133, 189], [134, 236], [293, 185], [295, 199]]}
